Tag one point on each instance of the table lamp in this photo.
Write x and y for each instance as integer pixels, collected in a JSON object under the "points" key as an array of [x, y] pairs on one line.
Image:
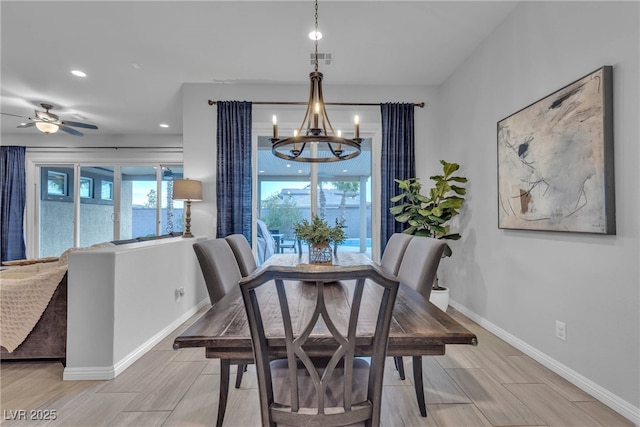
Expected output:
{"points": [[188, 190]]}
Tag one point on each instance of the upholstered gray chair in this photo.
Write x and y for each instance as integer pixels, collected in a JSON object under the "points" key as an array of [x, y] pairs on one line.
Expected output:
{"points": [[302, 390], [393, 252], [418, 270], [221, 273], [242, 251]]}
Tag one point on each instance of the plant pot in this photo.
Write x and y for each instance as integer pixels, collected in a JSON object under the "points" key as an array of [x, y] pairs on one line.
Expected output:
{"points": [[320, 254], [440, 298]]}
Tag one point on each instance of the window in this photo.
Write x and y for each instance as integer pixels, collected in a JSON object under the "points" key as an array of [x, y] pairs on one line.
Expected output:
{"points": [[342, 192], [115, 203], [106, 190], [56, 183], [86, 187]]}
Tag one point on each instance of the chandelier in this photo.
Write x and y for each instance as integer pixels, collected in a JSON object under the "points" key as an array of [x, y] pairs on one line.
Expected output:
{"points": [[319, 143]]}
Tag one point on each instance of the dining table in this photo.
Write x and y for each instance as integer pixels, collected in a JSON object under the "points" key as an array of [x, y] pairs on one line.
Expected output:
{"points": [[418, 328]]}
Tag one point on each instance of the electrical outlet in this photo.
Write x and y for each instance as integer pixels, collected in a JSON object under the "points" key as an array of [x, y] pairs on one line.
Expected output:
{"points": [[561, 330]]}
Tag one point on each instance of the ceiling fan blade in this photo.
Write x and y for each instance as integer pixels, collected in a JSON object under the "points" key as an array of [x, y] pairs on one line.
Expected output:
{"points": [[70, 130], [26, 125], [79, 125], [14, 115]]}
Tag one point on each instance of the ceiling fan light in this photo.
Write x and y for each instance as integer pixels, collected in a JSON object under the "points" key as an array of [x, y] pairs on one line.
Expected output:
{"points": [[47, 127]]}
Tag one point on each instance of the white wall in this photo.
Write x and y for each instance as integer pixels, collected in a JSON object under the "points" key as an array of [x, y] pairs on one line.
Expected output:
{"points": [[123, 301], [521, 282]]}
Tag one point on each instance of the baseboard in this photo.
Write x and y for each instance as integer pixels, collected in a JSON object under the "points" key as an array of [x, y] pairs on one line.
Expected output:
{"points": [[110, 372], [613, 401]]}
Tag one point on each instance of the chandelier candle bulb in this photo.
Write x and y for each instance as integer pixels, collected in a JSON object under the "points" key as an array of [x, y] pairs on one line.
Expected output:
{"points": [[275, 126], [356, 122], [315, 115]]}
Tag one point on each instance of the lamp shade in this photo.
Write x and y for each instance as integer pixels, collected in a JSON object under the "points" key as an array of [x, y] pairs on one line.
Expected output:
{"points": [[187, 189], [47, 127]]}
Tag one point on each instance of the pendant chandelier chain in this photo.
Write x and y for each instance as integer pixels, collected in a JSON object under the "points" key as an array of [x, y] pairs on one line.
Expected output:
{"points": [[316, 38], [319, 143]]}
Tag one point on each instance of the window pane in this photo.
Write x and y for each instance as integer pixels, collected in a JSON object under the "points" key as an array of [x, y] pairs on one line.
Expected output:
{"points": [[172, 211], [86, 187], [284, 193], [57, 183], [344, 194], [140, 199], [96, 215], [56, 212], [106, 190]]}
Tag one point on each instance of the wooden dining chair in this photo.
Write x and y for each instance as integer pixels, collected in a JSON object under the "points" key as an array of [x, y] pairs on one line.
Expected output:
{"points": [[418, 270], [242, 251], [221, 273], [335, 390]]}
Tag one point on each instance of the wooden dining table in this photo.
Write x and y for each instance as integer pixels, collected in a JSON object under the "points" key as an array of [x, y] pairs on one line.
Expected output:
{"points": [[418, 328]]}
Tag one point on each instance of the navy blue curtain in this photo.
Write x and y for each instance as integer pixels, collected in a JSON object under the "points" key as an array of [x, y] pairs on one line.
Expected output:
{"points": [[12, 202], [398, 161], [233, 176]]}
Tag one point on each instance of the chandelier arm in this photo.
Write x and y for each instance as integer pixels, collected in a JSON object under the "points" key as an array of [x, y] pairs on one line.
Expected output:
{"points": [[325, 116]]}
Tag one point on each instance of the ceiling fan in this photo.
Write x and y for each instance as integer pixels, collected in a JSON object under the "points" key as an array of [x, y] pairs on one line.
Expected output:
{"points": [[48, 122]]}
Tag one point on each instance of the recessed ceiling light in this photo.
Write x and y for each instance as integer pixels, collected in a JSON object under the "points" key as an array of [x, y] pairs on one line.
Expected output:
{"points": [[164, 125], [136, 66], [315, 35], [288, 165], [78, 73]]}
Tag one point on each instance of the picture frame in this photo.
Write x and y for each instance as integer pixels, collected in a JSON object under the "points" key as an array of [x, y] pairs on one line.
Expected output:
{"points": [[555, 160]]}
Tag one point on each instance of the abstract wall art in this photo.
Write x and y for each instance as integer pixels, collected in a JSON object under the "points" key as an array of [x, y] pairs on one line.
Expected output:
{"points": [[555, 160]]}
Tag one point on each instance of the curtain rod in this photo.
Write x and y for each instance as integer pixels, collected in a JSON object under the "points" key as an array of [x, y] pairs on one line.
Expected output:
{"points": [[357, 104]]}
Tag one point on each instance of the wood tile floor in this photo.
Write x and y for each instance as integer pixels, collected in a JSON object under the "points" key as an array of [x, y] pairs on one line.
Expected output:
{"points": [[492, 384]]}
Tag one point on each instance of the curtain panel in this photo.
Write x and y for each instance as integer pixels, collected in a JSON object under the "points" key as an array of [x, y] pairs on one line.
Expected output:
{"points": [[398, 161], [12, 202], [233, 175]]}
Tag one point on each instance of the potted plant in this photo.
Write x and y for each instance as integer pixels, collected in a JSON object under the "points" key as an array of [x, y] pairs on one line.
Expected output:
{"points": [[429, 215], [318, 234]]}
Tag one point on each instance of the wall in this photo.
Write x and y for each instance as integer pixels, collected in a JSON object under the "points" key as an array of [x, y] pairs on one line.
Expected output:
{"points": [[108, 291], [521, 282]]}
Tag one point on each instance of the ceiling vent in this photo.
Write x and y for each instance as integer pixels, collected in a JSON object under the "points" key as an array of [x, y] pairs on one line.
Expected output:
{"points": [[324, 58]]}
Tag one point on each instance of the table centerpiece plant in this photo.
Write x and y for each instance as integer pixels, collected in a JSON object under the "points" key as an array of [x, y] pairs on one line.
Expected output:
{"points": [[430, 215], [319, 235]]}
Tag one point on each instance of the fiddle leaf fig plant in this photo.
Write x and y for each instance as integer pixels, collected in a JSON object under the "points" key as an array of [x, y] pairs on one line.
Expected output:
{"points": [[429, 215]]}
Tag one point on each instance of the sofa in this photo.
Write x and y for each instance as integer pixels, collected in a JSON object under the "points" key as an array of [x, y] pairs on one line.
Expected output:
{"points": [[34, 304]]}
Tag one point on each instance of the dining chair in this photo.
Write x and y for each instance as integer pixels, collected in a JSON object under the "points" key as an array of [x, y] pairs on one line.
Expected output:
{"points": [[335, 390], [221, 273], [418, 270], [393, 252], [242, 251]]}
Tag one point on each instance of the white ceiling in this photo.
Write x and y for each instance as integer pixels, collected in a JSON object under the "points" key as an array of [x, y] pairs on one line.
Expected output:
{"points": [[137, 54]]}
